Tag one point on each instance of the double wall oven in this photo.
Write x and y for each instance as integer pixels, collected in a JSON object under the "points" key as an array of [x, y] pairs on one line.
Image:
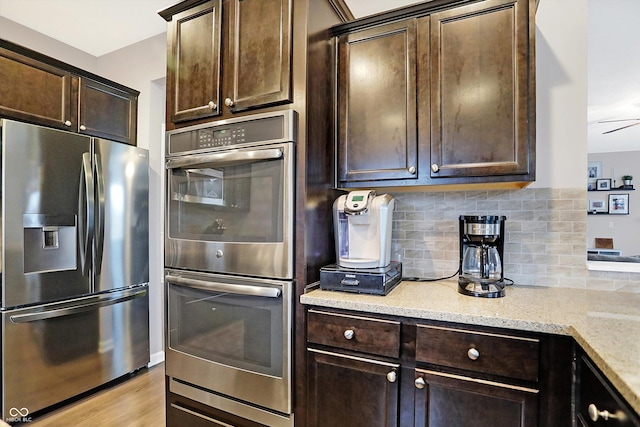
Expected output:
{"points": [[229, 264]]}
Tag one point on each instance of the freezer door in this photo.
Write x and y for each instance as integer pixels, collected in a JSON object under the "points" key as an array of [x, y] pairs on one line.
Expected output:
{"points": [[122, 215], [57, 351], [41, 215]]}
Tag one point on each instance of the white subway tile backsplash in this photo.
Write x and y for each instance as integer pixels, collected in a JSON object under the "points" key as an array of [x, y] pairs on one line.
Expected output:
{"points": [[545, 242]]}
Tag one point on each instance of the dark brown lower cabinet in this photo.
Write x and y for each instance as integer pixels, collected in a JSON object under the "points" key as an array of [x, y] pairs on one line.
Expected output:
{"points": [[598, 403], [352, 391], [373, 370], [444, 400]]}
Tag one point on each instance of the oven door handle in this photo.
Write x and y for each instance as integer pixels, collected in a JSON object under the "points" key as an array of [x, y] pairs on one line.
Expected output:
{"points": [[256, 291], [222, 159]]}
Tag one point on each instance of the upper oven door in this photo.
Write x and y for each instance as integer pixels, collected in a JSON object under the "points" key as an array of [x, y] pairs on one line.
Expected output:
{"points": [[232, 211]]}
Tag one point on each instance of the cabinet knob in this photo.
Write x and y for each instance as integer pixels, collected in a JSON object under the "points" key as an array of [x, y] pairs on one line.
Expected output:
{"points": [[595, 414], [83, 127], [473, 354], [435, 168], [419, 383], [228, 102], [349, 334], [212, 105], [67, 123], [392, 377], [412, 170]]}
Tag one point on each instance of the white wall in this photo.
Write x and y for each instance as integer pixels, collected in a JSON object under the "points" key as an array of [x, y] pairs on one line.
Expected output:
{"points": [[33, 40], [561, 96]]}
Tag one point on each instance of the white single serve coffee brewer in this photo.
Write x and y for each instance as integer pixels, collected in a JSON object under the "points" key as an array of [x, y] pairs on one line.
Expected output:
{"points": [[362, 223]]}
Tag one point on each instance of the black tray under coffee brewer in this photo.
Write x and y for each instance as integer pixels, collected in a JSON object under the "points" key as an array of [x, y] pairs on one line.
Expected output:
{"points": [[375, 281]]}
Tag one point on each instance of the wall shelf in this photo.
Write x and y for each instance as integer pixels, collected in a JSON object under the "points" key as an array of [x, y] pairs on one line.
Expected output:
{"points": [[623, 188]]}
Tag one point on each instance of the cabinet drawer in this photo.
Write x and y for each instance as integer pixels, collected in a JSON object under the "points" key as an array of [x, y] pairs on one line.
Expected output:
{"points": [[362, 334], [595, 392], [503, 355]]}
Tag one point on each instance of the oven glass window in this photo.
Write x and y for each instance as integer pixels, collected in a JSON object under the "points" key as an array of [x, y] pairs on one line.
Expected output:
{"points": [[245, 332], [228, 203]]}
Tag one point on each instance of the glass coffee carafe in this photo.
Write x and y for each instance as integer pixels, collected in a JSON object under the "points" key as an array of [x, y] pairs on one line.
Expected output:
{"points": [[482, 264], [481, 247]]}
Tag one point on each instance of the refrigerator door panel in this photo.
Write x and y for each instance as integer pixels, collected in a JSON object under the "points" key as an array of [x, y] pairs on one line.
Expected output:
{"points": [[57, 351], [41, 217], [121, 249]]}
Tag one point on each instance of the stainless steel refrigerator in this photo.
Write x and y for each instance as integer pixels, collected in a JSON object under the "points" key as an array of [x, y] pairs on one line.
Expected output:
{"points": [[75, 265]]}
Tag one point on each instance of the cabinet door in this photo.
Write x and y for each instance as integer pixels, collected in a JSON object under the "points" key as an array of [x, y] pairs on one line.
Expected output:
{"points": [[598, 404], [45, 98], [259, 54], [445, 400], [351, 391], [193, 63], [481, 124], [377, 128], [107, 112]]}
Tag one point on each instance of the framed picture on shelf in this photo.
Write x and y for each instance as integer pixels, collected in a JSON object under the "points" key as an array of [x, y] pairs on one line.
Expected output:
{"points": [[594, 170], [597, 206], [603, 184], [619, 204]]}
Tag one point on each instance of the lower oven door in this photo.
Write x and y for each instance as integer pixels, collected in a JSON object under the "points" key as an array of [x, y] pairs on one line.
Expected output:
{"points": [[230, 335]]}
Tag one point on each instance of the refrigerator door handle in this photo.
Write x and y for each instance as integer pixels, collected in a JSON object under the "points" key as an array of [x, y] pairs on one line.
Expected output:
{"points": [[88, 305], [256, 291], [85, 213], [99, 239]]}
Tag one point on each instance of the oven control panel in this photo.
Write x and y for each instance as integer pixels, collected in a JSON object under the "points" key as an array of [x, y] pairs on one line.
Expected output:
{"points": [[249, 130], [219, 138]]}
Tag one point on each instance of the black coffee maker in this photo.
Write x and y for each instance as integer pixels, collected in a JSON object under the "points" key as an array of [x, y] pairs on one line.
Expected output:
{"points": [[481, 255]]}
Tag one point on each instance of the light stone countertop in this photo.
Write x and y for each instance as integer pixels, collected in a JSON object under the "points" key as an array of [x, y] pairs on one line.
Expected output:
{"points": [[605, 324]]}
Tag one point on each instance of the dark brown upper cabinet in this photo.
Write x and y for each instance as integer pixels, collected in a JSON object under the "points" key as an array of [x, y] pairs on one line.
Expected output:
{"points": [[39, 89], [434, 94], [37, 92], [225, 57], [259, 55], [479, 78], [377, 127], [193, 63], [107, 112]]}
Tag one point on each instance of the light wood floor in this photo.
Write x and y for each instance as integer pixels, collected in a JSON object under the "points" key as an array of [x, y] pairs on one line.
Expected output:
{"points": [[136, 402]]}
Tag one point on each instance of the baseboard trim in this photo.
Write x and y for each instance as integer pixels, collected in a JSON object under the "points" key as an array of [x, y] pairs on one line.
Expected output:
{"points": [[156, 358]]}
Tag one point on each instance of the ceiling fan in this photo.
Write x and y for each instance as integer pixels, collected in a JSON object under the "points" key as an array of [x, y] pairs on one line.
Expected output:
{"points": [[623, 127]]}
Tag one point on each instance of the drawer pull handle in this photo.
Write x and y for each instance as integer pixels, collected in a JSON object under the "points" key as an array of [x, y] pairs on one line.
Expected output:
{"points": [[349, 334], [419, 383], [229, 102], [595, 414], [473, 354], [212, 105], [435, 168], [392, 377]]}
